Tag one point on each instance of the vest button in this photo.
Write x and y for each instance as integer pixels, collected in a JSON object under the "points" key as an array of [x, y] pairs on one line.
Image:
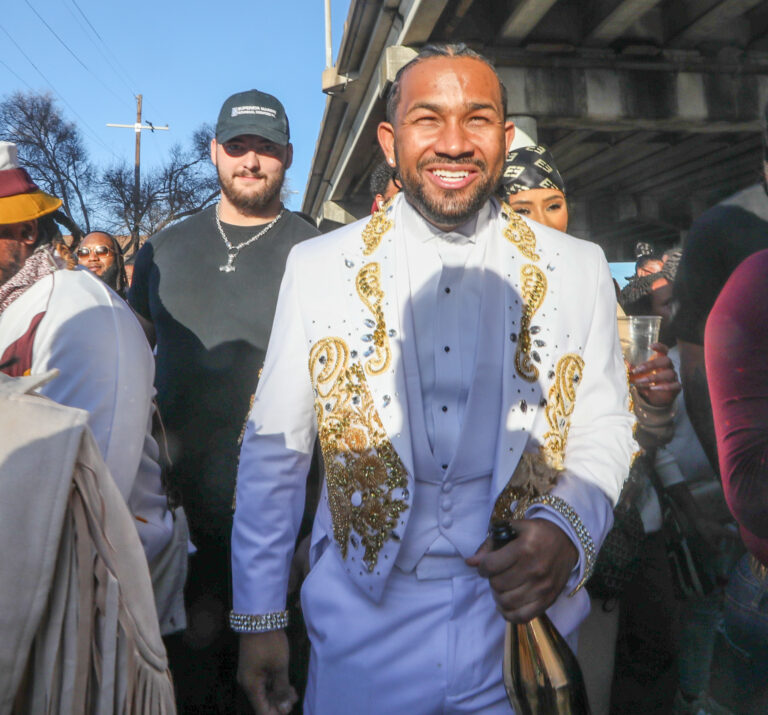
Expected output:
{"points": [[447, 522], [447, 504], [447, 486]]}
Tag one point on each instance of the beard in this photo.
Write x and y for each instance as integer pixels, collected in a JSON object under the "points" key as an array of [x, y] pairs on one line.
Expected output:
{"points": [[450, 207], [109, 275], [252, 202]]}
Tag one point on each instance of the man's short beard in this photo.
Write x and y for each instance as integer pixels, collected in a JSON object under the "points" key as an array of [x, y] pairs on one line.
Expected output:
{"points": [[448, 210], [249, 204], [110, 275]]}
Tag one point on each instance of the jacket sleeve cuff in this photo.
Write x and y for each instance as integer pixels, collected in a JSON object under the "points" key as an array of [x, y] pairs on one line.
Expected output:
{"points": [[558, 511]]}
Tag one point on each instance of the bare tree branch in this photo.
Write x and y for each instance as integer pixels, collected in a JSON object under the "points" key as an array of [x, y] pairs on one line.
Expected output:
{"points": [[183, 185], [53, 152], [51, 149]]}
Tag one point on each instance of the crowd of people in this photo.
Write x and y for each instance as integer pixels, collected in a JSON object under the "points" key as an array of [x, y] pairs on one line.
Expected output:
{"points": [[271, 457]]}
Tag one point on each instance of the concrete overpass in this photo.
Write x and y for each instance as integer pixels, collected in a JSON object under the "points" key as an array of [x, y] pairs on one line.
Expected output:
{"points": [[651, 107]]}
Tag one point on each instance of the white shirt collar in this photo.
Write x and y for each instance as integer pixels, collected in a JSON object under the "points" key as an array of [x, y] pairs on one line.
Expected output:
{"points": [[466, 233]]}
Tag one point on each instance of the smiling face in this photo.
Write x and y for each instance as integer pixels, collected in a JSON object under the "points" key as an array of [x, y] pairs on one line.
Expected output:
{"points": [[251, 173], [546, 206], [96, 253], [448, 138]]}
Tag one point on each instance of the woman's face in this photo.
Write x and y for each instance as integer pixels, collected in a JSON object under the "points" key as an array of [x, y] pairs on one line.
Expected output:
{"points": [[96, 253], [547, 206]]}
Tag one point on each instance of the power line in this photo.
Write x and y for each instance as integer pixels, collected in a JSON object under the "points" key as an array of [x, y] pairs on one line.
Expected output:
{"points": [[93, 134], [17, 76], [84, 29], [71, 52], [125, 76]]}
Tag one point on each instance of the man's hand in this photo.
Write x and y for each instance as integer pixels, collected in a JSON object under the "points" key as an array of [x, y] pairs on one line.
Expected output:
{"points": [[658, 384], [262, 671], [528, 574]]}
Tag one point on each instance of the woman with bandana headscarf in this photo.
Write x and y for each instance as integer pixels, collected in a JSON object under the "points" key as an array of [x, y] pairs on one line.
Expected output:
{"points": [[533, 187]]}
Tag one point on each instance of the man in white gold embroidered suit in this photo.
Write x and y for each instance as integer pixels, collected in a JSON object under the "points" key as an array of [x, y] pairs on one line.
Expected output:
{"points": [[456, 362]]}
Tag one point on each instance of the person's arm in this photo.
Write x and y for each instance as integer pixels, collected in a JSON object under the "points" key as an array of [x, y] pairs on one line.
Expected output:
{"points": [[105, 368], [274, 460], [138, 294], [693, 374], [736, 350], [700, 277], [561, 534], [654, 395]]}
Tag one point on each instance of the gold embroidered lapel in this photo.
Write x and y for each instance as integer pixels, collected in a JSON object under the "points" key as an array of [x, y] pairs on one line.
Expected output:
{"points": [[534, 289], [368, 284], [376, 227], [519, 233], [363, 470]]}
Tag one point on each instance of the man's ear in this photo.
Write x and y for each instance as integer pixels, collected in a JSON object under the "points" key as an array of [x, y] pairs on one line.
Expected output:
{"points": [[509, 134], [214, 144], [288, 156], [386, 136], [29, 232]]}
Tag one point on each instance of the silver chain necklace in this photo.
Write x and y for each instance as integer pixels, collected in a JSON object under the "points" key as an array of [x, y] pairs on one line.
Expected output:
{"points": [[233, 251]]}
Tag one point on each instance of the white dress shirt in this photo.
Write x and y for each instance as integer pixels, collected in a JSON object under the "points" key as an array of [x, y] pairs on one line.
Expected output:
{"points": [[446, 278], [446, 275]]}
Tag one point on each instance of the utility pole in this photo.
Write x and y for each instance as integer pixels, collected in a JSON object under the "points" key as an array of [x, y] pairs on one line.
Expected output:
{"points": [[137, 127]]}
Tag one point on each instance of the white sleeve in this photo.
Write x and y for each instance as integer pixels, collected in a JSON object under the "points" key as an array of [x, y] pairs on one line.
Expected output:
{"points": [[106, 368], [274, 461], [600, 442]]}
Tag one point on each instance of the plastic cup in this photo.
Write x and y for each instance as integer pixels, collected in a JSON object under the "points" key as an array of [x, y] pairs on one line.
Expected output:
{"points": [[636, 334]]}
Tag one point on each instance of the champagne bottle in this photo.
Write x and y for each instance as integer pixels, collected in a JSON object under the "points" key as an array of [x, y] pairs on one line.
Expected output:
{"points": [[541, 673]]}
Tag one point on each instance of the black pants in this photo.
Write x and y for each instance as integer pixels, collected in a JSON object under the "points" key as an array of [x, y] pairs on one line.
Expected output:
{"points": [[645, 671], [203, 658]]}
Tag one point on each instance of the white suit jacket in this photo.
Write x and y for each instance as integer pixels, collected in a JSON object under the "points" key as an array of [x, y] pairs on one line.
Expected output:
{"points": [[334, 365]]}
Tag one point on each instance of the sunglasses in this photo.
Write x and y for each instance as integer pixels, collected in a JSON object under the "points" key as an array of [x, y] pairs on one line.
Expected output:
{"points": [[237, 149], [97, 251]]}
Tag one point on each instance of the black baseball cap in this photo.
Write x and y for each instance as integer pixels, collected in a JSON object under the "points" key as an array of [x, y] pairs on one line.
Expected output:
{"points": [[253, 112]]}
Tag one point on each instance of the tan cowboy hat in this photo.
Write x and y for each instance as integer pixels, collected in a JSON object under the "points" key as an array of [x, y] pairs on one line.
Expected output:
{"points": [[20, 198]]}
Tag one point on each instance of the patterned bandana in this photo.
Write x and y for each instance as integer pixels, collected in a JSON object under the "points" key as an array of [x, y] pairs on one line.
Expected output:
{"points": [[40, 264], [531, 167]]}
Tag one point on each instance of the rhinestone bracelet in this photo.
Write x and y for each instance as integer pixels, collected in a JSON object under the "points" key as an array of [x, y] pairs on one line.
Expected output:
{"points": [[258, 623], [563, 508]]}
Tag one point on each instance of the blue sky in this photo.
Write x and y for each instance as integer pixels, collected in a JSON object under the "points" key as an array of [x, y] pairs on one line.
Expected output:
{"points": [[185, 58]]}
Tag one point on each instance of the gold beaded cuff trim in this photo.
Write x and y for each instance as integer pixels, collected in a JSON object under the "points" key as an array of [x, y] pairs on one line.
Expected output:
{"points": [[261, 623], [563, 508]]}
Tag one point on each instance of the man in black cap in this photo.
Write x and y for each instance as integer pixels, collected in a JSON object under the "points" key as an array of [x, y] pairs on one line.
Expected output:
{"points": [[206, 289]]}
